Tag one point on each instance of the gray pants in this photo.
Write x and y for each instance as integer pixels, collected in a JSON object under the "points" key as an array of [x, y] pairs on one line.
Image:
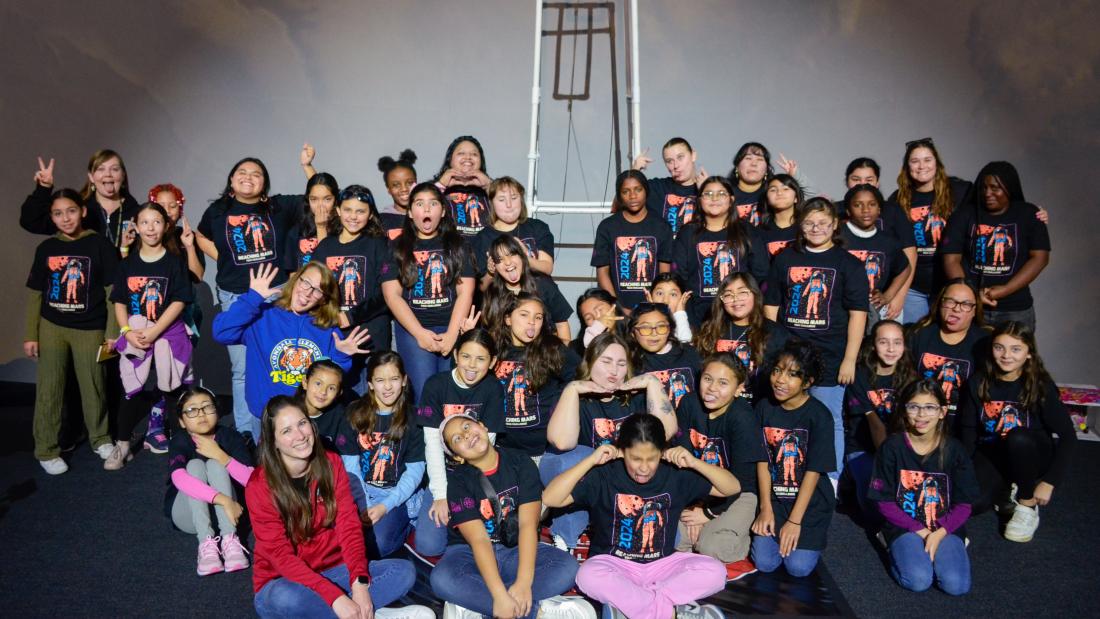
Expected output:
{"points": [[727, 537], [996, 318], [192, 515]]}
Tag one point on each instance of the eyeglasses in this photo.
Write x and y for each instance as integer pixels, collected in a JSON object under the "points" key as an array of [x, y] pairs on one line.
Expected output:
{"points": [[660, 329], [963, 306], [716, 195], [927, 141], [309, 288], [194, 412], [729, 297], [813, 225], [922, 410]]}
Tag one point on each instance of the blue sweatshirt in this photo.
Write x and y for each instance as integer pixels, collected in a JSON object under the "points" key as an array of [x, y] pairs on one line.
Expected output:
{"points": [[280, 346]]}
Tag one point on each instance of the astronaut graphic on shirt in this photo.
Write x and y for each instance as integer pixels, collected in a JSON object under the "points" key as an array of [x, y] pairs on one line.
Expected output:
{"points": [[709, 449], [306, 248], [521, 408], [994, 249], [872, 264], [716, 261], [68, 287], [378, 459], [786, 460], [430, 289], [468, 209], [677, 383], [678, 211], [635, 263], [507, 500], [924, 496], [251, 238], [146, 296], [639, 526], [809, 290], [349, 272], [927, 229], [749, 213], [605, 431], [950, 373], [1001, 417], [883, 401]]}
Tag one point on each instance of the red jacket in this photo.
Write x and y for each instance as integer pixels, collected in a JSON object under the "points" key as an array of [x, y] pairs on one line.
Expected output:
{"points": [[275, 557]]}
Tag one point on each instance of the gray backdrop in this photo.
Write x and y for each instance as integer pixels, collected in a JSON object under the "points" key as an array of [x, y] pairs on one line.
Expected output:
{"points": [[185, 88]]}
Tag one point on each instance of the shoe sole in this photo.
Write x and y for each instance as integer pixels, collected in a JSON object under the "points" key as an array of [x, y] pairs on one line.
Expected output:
{"points": [[156, 450], [419, 557], [1021, 540], [740, 576], [217, 571], [236, 568]]}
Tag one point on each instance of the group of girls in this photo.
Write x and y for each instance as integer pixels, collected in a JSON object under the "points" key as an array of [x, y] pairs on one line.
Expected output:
{"points": [[721, 380]]}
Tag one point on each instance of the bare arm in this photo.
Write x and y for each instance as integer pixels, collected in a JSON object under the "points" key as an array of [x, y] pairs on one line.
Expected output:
{"points": [[771, 312], [543, 263], [953, 266], [563, 431], [603, 279]]}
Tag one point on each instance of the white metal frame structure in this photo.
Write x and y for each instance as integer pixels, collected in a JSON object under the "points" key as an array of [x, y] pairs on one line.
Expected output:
{"points": [[633, 95]]}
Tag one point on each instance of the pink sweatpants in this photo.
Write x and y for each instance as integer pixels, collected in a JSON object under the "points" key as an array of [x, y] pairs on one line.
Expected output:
{"points": [[651, 590]]}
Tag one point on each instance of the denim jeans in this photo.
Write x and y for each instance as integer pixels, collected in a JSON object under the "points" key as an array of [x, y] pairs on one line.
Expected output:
{"points": [[995, 318], [915, 308], [833, 399], [420, 365], [390, 580], [765, 554], [243, 419], [573, 521], [389, 533], [911, 567], [456, 579]]}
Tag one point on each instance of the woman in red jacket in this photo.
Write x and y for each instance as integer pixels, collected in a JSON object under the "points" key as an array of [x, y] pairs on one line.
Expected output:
{"points": [[309, 559]]}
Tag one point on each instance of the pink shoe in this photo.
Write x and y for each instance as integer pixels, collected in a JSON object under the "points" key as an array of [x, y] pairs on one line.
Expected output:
{"points": [[234, 553], [210, 562]]}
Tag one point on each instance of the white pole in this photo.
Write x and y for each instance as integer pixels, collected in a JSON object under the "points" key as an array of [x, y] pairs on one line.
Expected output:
{"points": [[636, 88], [533, 152]]}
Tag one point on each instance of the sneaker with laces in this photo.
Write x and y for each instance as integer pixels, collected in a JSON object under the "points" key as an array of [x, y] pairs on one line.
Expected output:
{"points": [[562, 607], [1021, 527], [119, 457], [412, 611], [156, 440], [410, 545], [698, 611], [233, 553], [739, 569], [210, 561], [105, 450], [1007, 503], [454, 611], [54, 466]]}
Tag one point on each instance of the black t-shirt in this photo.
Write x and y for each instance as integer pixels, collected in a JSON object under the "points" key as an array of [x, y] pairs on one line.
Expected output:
{"points": [[675, 202], [551, 295], [299, 249], [950, 364], [678, 370], [246, 237], [382, 458], [928, 230], [747, 203], [815, 291], [526, 412], [731, 441], [469, 209], [533, 233], [441, 397], [736, 342], [515, 480], [181, 450], [776, 239], [798, 441], [633, 521], [631, 252], [148, 288], [892, 220], [919, 485], [705, 258], [355, 266], [881, 256], [72, 277], [995, 247], [431, 298], [867, 395], [334, 429], [392, 223], [600, 421]]}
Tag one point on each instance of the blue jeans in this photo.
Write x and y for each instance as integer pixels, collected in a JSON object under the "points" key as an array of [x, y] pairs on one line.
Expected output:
{"points": [[833, 399], [573, 522], [765, 554], [915, 308], [420, 365], [912, 568], [390, 580], [390, 532], [456, 579], [859, 465], [243, 419]]}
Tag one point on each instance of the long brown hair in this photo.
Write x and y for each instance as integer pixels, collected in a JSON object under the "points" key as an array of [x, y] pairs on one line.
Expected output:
{"points": [[327, 312], [363, 413], [97, 159], [545, 355], [719, 322], [1034, 373], [497, 294], [296, 510], [168, 240], [900, 418], [905, 370], [942, 201]]}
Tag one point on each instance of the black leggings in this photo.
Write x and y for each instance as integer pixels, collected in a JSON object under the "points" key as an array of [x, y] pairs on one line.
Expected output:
{"points": [[131, 411], [1021, 457]]}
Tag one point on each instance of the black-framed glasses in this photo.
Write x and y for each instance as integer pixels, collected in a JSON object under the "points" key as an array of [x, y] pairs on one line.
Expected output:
{"points": [[194, 412], [964, 306], [309, 288], [920, 142]]}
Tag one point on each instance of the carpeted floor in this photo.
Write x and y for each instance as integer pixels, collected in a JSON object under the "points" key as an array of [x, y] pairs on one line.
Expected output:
{"points": [[96, 544]]}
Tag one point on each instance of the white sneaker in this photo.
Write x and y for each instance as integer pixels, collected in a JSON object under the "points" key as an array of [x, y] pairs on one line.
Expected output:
{"points": [[1021, 527], [566, 607], [454, 611], [698, 611], [1008, 503], [54, 466], [413, 611], [105, 450]]}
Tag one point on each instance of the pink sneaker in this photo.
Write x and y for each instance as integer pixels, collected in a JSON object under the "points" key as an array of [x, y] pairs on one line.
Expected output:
{"points": [[210, 562], [234, 553]]}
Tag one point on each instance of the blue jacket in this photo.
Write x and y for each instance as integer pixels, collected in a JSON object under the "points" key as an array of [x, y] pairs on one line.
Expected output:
{"points": [[280, 346]]}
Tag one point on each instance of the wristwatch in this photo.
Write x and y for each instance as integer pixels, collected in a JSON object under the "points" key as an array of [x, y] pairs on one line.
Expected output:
{"points": [[363, 580]]}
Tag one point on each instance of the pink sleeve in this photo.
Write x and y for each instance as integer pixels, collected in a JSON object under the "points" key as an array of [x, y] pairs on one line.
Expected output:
{"points": [[239, 472], [188, 484]]}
